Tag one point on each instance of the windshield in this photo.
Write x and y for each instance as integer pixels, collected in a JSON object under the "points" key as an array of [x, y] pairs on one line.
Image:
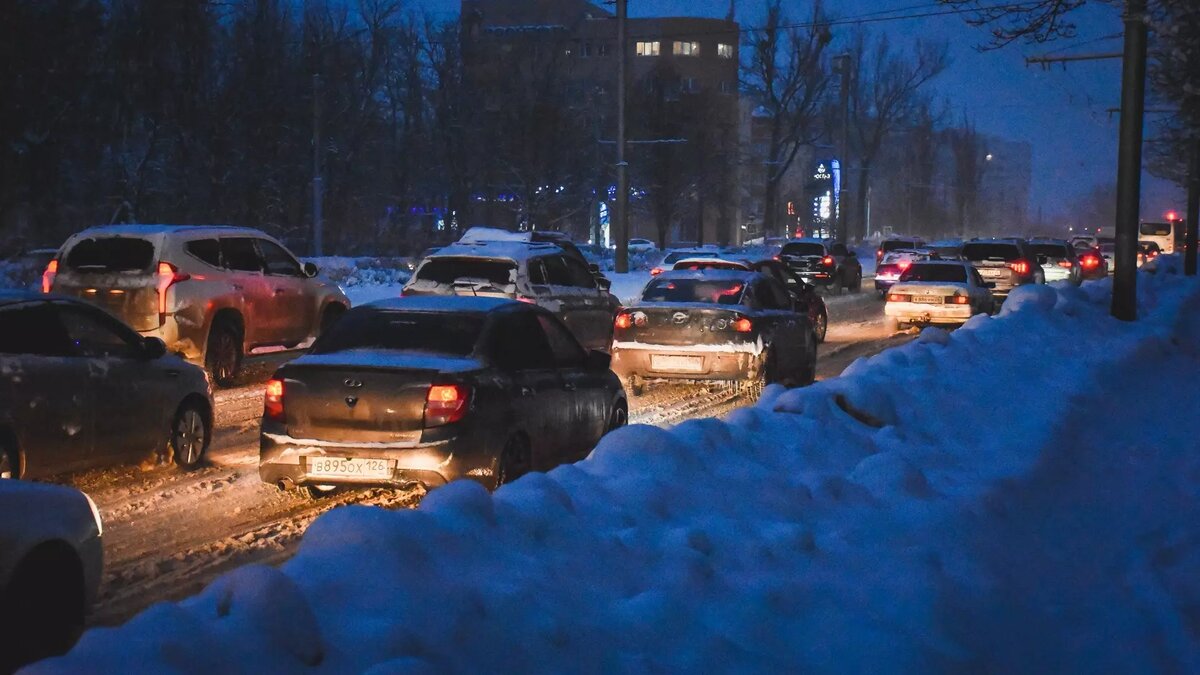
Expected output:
{"points": [[1051, 250], [111, 254], [802, 249], [434, 332], [941, 273], [977, 252], [711, 291], [893, 244], [449, 270], [1155, 229]]}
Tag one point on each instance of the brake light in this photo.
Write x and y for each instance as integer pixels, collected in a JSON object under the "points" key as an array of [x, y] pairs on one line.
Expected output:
{"points": [[1020, 267], [898, 297], [827, 261], [959, 299], [273, 401], [1089, 261], [879, 254], [1152, 254], [904, 264], [48, 276], [656, 271], [1065, 264], [527, 300], [168, 276], [743, 325], [445, 404], [623, 321]]}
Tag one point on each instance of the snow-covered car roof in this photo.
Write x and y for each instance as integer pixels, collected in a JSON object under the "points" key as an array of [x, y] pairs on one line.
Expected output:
{"points": [[904, 254], [442, 303], [516, 251], [712, 260], [729, 275], [476, 235], [145, 230]]}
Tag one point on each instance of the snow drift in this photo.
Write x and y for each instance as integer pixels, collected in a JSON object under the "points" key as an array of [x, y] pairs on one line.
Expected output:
{"points": [[1020, 494]]}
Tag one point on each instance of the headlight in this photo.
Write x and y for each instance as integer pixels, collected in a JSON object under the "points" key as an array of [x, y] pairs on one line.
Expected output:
{"points": [[95, 514]]}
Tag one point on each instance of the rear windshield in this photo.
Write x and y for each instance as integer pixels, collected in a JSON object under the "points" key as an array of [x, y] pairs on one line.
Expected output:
{"points": [[110, 254], [943, 273], [712, 291], [434, 332], [449, 270], [675, 257], [894, 244], [802, 249], [977, 252], [1155, 229], [1051, 250]]}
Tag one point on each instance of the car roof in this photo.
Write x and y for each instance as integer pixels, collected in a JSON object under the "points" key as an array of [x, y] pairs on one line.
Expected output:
{"points": [[717, 275], [712, 260], [145, 230], [444, 303], [808, 240], [515, 251]]}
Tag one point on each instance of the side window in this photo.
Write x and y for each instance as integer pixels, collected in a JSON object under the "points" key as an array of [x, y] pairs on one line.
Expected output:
{"points": [[775, 296], [750, 297], [557, 273], [207, 250], [567, 352], [239, 254], [278, 261], [581, 276], [40, 334], [537, 272], [840, 249], [95, 335], [519, 343], [978, 279]]}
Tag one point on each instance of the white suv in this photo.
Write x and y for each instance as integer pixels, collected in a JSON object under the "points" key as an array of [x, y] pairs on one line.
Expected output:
{"points": [[212, 294]]}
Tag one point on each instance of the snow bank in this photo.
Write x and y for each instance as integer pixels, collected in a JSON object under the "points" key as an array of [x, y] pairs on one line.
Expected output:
{"points": [[366, 279], [1021, 494]]}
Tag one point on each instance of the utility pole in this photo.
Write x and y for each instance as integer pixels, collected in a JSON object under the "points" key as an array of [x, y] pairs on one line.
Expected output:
{"points": [[622, 210], [1129, 162], [841, 65], [318, 185], [1193, 209]]}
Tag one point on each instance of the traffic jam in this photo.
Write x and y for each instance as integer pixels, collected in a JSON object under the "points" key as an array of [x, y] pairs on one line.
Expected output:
{"points": [[504, 353]]}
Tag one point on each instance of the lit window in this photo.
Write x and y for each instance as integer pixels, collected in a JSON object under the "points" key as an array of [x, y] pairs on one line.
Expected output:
{"points": [[648, 48], [725, 51], [687, 49]]}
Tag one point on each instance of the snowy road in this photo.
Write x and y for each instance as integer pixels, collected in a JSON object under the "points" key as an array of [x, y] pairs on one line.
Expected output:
{"points": [[167, 534]]}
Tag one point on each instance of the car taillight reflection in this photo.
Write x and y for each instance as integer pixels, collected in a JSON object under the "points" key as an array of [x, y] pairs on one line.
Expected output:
{"points": [[273, 401], [445, 404], [48, 276]]}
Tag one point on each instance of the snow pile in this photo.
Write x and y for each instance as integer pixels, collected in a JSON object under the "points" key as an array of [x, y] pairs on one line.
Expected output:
{"points": [[366, 279], [1021, 494]]}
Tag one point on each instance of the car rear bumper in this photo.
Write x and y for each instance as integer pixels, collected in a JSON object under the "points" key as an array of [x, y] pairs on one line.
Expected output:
{"points": [[911, 312], [686, 362], [817, 278], [287, 461]]}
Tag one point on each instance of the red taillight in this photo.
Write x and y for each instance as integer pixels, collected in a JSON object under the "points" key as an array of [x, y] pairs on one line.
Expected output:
{"points": [[273, 401], [527, 300], [445, 404], [168, 276], [656, 271], [827, 261], [48, 276], [623, 321], [1152, 254], [1089, 261], [1066, 264], [879, 254], [904, 264], [1020, 267], [743, 325], [898, 297], [959, 299]]}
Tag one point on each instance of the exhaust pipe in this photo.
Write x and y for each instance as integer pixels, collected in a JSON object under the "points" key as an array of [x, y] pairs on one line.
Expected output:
{"points": [[286, 484]]}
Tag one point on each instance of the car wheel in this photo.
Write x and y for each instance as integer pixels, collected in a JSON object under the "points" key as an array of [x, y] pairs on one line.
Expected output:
{"points": [[619, 417], [821, 326], [835, 285], [223, 357], [43, 609], [190, 435], [856, 286], [330, 316], [515, 460]]}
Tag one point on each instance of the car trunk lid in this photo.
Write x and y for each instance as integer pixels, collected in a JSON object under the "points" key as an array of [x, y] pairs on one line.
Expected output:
{"points": [[116, 273], [684, 324]]}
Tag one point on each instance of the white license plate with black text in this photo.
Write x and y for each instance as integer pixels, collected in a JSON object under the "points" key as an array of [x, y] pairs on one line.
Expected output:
{"points": [[343, 467], [928, 299], [683, 364]]}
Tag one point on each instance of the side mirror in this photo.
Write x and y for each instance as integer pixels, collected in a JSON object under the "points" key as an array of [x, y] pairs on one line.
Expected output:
{"points": [[990, 284], [153, 348], [604, 283], [598, 360], [311, 270]]}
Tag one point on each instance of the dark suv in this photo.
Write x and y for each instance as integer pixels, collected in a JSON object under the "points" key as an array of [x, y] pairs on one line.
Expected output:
{"points": [[823, 263], [1008, 263]]}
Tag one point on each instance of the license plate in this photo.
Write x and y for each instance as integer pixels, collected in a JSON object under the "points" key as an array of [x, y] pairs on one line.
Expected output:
{"points": [[928, 299], [687, 364], [991, 273], [342, 467]]}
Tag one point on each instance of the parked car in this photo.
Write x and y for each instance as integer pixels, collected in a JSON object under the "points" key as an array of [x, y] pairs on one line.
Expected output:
{"points": [[537, 273], [78, 389], [894, 263], [642, 246], [1058, 260], [896, 243], [1092, 264], [805, 298], [824, 263], [429, 390], [51, 561], [938, 292], [724, 325], [1008, 263], [212, 294]]}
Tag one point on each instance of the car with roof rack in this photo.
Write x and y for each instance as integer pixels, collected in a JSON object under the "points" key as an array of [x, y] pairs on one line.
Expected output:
{"points": [[211, 293]]}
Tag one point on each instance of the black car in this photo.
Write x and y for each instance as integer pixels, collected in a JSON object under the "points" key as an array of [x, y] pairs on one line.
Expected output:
{"points": [[805, 298], [823, 263], [430, 389], [704, 325]]}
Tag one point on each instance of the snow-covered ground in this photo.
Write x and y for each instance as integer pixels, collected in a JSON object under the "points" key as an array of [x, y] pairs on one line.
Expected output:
{"points": [[1020, 494]]}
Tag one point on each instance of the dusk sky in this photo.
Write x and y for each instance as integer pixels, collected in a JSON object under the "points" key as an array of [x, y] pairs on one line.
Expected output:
{"points": [[1062, 113]]}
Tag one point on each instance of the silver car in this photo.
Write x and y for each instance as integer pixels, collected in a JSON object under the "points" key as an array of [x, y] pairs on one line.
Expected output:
{"points": [[51, 560], [212, 294]]}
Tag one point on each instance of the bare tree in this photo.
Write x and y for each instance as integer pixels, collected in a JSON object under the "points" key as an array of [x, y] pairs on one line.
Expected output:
{"points": [[968, 171], [788, 76]]}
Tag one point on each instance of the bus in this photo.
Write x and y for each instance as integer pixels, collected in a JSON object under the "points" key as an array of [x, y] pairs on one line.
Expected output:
{"points": [[1168, 235]]}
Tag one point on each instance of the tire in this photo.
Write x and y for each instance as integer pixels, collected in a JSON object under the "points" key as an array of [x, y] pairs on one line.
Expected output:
{"points": [[618, 418], [223, 355], [856, 286], [821, 327], [835, 285], [42, 612], [515, 460], [191, 434], [330, 316]]}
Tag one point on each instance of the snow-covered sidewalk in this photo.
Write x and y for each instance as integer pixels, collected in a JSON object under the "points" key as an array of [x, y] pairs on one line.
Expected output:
{"points": [[1022, 494]]}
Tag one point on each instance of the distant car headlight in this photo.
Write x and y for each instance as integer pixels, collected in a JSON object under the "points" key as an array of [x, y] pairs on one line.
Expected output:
{"points": [[95, 514]]}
